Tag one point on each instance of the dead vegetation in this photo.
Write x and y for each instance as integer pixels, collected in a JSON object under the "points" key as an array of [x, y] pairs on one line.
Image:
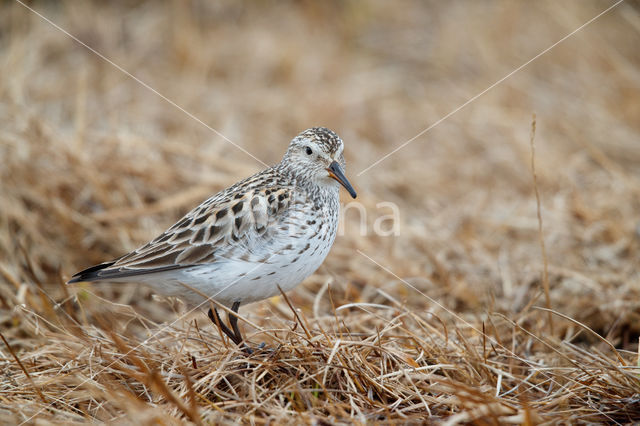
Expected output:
{"points": [[447, 321]]}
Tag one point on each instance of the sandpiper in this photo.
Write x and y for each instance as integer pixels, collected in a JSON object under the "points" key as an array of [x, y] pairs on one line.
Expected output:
{"points": [[265, 233]]}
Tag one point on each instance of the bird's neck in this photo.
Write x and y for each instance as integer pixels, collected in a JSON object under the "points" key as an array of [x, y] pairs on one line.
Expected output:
{"points": [[319, 193]]}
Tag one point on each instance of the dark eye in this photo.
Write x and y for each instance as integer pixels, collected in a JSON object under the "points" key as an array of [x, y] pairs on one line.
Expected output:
{"points": [[309, 151]]}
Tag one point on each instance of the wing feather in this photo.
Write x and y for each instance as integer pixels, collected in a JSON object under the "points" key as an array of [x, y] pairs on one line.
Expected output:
{"points": [[231, 224]]}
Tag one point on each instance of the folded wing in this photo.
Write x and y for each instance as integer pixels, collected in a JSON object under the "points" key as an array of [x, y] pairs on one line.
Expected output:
{"points": [[232, 224]]}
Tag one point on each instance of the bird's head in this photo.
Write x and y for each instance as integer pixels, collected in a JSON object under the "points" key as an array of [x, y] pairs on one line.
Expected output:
{"points": [[317, 154]]}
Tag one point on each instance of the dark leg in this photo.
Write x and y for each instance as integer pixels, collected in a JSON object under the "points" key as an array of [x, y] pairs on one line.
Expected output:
{"points": [[237, 339], [233, 322]]}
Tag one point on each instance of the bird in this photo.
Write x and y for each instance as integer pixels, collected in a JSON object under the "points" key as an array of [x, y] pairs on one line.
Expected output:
{"points": [[263, 235]]}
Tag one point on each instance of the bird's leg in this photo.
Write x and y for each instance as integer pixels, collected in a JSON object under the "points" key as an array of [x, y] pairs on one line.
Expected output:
{"points": [[235, 335], [218, 321], [233, 322]]}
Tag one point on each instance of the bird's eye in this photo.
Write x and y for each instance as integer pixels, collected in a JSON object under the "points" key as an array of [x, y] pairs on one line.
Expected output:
{"points": [[309, 151]]}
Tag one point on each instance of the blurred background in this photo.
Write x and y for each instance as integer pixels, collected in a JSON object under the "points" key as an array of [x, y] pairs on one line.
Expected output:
{"points": [[94, 163]]}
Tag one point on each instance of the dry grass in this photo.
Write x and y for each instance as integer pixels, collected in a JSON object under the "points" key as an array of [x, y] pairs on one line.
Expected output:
{"points": [[446, 321]]}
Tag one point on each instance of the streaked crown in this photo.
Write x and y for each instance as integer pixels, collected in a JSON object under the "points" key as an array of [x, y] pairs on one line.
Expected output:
{"points": [[325, 139]]}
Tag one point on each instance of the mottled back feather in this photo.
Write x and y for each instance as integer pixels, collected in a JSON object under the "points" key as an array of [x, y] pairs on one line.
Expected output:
{"points": [[232, 221]]}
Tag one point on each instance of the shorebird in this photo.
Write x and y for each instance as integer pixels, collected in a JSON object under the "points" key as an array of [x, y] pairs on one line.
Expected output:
{"points": [[263, 235]]}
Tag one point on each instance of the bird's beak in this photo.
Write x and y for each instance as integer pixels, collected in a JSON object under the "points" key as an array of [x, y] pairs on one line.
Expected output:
{"points": [[335, 171]]}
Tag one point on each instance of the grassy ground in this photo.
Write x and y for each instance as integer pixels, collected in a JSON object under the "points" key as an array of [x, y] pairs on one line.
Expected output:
{"points": [[445, 321]]}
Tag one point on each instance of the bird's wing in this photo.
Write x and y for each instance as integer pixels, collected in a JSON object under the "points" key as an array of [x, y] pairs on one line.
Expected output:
{"points": [[237, 224]]}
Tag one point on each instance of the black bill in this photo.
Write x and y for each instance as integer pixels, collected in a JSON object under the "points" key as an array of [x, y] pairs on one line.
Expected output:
{"points": [[335, 171]]}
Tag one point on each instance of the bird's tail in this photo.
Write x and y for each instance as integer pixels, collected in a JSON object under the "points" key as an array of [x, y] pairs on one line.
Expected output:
{"points": [[90, 274]]}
